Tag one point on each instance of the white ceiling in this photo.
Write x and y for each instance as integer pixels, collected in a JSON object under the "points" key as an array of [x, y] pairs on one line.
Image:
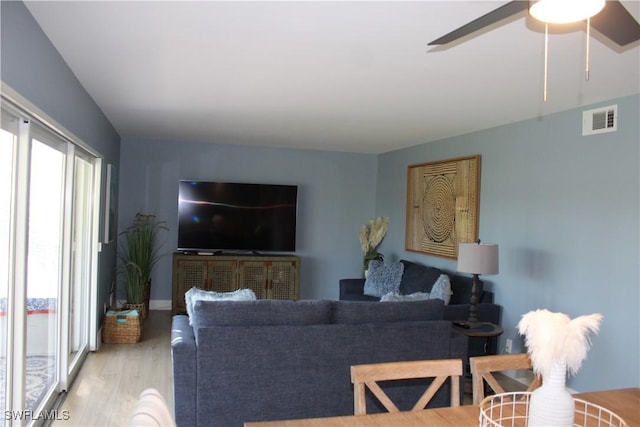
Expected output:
{"points": [[348, 76]]}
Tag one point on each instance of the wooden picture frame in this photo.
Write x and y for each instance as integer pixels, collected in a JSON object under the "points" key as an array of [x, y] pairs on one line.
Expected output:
{"points": [[442, 206]]}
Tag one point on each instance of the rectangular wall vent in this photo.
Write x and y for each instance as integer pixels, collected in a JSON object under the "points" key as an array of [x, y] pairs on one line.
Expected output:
{"points": [[600, 120]]}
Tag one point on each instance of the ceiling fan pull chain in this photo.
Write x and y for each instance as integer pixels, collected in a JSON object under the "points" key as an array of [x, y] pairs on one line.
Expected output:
{"points": [[546, 61], [586, 70]]}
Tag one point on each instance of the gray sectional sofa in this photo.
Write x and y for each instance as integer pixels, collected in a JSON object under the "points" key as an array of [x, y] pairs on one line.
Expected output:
{"points": [[420, 278], [271, 359]]}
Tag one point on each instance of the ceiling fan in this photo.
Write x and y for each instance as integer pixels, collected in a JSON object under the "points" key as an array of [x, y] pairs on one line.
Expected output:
{"points": [[613, 21]]}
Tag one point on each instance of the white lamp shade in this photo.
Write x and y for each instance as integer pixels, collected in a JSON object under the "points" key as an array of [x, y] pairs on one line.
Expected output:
{"points": [[478, 258], [565, 11]]}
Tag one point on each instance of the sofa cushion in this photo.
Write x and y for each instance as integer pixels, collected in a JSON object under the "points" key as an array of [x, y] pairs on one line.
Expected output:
{"points": [[357, 312], [304, 372], [417, 278], [383, 278], [261, 312], [461, 287]]}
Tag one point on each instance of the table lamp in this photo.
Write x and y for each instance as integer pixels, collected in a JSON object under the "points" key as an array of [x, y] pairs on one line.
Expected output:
{"points": [[477, 258]]}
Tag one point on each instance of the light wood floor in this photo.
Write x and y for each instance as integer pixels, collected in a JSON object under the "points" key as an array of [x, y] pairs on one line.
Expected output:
{"points": [[110, 381]]}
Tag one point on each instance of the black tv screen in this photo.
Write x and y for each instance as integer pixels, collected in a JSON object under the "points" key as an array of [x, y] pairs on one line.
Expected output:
{"points": [[215, 216]]}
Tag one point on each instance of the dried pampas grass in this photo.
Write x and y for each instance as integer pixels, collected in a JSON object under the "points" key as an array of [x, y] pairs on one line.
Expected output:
{"points": [[372, 233], [553, 338]]}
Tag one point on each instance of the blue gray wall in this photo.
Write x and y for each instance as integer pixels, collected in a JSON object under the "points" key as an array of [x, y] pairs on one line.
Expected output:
{"points": [[336, 195], [565, 211], [32, 66]]}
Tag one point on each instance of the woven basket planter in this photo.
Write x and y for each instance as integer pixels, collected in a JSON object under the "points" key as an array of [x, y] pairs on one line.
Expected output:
{"points": [[122, 327], [141, 308]]}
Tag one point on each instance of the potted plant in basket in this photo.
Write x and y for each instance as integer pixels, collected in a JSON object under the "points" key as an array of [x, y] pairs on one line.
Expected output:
{"points": [[138, 255]]}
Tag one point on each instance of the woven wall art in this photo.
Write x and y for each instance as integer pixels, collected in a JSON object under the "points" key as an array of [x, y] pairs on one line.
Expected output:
{"points": [[442, 206]]}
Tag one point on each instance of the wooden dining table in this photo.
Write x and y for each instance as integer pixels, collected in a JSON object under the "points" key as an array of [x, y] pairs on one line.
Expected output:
{"points": [[623, 402]]}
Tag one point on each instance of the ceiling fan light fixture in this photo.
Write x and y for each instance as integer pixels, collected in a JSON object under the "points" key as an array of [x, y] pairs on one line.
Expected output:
{"points": [[564, 11]]}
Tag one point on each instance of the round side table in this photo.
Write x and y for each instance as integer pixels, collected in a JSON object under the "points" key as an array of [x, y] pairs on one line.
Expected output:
{"points": [[483, 329]]}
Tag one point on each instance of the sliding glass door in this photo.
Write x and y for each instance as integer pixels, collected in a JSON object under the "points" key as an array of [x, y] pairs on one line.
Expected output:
{"points": [[48, 238], [44, 268], [7, 150], [77, 294]]}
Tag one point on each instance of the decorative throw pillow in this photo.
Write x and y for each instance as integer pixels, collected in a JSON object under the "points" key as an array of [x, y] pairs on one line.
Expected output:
{"points": [[417, 278], [416, 296], [195, 294], [442, 289], [383, 278]]}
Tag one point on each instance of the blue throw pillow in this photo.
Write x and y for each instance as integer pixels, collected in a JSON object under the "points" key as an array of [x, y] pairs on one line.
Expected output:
{"points": [[383, 278]]}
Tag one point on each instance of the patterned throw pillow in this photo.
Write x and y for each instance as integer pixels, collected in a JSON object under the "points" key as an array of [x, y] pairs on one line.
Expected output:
{"points": [[383, 278], [442, 289], [416, 296], [195, 294]]}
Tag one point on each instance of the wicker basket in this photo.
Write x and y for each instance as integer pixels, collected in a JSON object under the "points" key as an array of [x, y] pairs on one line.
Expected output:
{"points": [[141, 308], [122, 327], [512, 410]]}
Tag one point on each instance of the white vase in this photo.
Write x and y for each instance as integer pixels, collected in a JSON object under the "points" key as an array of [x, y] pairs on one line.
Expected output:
{"points": [[552, 405]]}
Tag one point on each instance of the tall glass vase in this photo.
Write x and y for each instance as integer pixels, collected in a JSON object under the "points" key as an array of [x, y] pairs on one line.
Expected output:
{"points": [[552, 405]]}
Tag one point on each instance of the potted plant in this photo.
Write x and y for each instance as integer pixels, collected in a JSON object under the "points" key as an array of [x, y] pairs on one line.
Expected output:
{"points": [[138, 255]]}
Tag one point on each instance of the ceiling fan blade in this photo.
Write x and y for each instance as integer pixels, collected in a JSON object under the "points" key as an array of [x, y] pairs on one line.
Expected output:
{"points": [[492, 17], [615, 22]]}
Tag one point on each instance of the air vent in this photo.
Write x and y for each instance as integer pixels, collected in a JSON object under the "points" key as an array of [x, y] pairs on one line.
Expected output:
{"points": [[600, 120]]}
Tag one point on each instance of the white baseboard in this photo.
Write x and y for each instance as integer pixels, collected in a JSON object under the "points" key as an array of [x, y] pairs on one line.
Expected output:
{"points": [[160, 304]]}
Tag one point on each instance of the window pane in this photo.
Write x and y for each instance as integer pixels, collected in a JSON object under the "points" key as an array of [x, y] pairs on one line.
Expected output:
{"points": [[45, 240]]}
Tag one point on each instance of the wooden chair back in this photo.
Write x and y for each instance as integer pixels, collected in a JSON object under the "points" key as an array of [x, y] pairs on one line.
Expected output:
{"points": [[367, 376], [483, 367]]}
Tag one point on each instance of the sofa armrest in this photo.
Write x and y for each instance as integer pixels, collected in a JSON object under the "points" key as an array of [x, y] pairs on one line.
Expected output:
{"points": [[353, 290], [486, 298], [183, 355], [485, 312]]}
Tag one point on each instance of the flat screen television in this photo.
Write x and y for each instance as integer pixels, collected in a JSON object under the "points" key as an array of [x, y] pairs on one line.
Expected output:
{"points": [[223, 216]]}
